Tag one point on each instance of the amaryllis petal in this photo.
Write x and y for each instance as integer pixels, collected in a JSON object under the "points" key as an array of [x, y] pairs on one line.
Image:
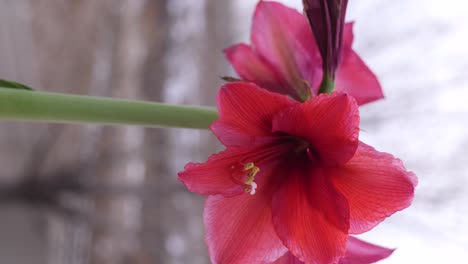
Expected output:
{"points": [[239, 230], [329, 123], [376, 185], [251, 67], [353, 76], [310, 216], [357, 252], [361, 252], [288, 258], [348, 36], [215, 175], [245, 113], [281, 36]]}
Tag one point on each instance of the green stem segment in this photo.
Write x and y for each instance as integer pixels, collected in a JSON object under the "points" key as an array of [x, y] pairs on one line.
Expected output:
{"points": [[62, 108], [327, 85]]}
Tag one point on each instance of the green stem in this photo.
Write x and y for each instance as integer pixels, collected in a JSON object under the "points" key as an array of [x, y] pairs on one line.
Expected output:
{"points": [[62, 108], [327, 85]]}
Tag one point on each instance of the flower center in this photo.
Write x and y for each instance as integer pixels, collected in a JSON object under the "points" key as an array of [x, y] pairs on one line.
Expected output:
{"points": [[301, 145]]}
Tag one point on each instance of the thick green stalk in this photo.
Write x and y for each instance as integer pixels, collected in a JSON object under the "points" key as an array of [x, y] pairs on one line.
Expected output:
{"points": [[37, 106]]}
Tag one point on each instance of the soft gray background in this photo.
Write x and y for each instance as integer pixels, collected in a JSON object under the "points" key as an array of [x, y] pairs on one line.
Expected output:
{"points": [[92, 194]]}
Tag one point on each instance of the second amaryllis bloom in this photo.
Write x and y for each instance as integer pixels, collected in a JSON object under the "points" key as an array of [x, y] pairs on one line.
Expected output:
{"points": [[294, 178], [284, 58]]}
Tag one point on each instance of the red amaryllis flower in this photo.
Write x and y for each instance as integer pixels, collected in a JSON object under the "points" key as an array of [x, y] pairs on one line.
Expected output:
{"points": [[284, 57], [294, 177], [357, 252]]}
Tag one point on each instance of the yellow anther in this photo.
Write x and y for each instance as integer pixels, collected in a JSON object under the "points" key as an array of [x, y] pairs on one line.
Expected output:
{"points": [[249, 166], [253, 170], [251, 174], [249, 180]]}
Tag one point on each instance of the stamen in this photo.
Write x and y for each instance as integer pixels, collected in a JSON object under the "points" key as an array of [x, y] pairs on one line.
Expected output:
{"points": [[249, 166], [253, 170]]}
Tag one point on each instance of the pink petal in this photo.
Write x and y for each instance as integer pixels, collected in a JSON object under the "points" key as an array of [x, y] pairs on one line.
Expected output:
{"points": [[282, 37], [376, 185], [361, 252], [252, 68], [288, 258], [353, 75], [239, 230], [330, 124], [213, 176], [246, 113], [310, 216], [357, 252], [348, 36]]}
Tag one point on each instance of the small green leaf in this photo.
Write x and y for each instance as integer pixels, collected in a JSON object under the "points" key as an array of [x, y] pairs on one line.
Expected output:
{"points": [[14, 85], [231, 79]]}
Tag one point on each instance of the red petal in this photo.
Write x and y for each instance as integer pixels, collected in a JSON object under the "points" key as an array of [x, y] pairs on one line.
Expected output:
{"points": [[282, 37], [252, 68], [353, 75], [310, 216], [213, 176], [376, 185], [288, 258], [246, 112], [357, 252], [239, 230], [361, 252], [330, 123]]}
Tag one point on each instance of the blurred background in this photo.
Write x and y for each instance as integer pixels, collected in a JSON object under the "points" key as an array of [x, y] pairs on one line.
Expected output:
{"points": [[96, 194]]}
